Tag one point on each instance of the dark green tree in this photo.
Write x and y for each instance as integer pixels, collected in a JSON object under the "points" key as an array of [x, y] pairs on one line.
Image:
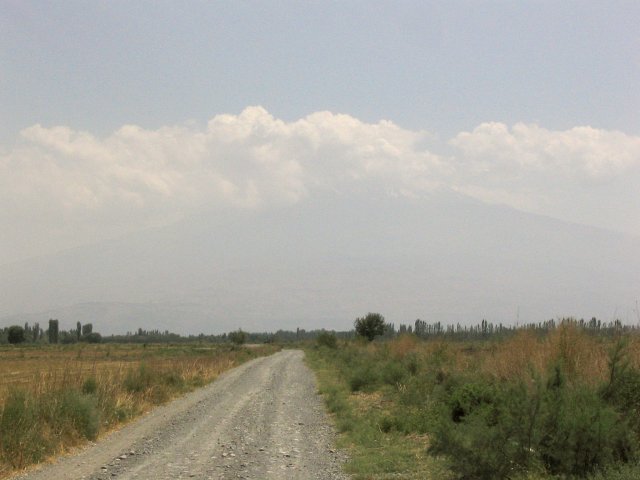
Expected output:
{"points": [[87, 328], [53, 331], [370, 326], [93, 337], [15, 334], [78, 330], [238, 337]]}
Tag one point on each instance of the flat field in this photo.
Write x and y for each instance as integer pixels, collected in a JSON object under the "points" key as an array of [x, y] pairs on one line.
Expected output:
{"points": [[37, 368], [531, 405], [53, 397]]}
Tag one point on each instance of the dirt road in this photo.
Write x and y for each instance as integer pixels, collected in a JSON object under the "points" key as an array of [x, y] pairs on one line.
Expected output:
{"points": [[262, 420]]}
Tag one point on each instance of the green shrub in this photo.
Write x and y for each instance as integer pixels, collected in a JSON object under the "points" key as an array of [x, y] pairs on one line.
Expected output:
{"points": [[387, 423], [418, 391], [363, 378], [138, 380], [468, 398], [32, 428], [77, 414], [581, 434], [412, 363], [492, 430], [623, 389], [90, 386], [21, 440], [393, 372], [619, 472], [327, 339], [480, 429]]}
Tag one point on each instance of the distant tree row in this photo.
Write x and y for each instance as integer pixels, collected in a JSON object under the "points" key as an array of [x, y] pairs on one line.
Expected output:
{"points": [[20, 334], [237, 336], [371, 326], [16, 334], [486, 329]]}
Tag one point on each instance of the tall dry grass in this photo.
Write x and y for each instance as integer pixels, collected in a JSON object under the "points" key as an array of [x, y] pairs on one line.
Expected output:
{"points": [[55, 397], [584, 356], [562, 403]]}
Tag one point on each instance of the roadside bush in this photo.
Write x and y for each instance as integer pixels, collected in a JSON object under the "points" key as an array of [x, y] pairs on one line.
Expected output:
{"points": [[623, 389], [393, 372], [495, 430], [75, 414], [327, 339], [624, 396], [138, 380], [31, 428], [363, 378], [21, 440], [480, 428], [418, 390], [468, 398], [529, 409], [581, 434]]}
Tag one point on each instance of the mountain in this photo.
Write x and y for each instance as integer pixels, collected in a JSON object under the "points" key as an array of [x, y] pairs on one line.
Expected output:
{"points": [[324, 261]]}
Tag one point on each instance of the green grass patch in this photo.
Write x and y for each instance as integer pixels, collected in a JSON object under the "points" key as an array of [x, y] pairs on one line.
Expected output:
{"points": [[377, 449]]}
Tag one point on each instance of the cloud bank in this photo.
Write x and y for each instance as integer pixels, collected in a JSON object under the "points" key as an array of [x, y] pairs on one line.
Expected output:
{"points": [[134, 177]]}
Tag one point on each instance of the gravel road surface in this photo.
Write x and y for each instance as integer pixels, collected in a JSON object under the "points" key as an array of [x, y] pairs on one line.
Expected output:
{"points": [[262, 420]]}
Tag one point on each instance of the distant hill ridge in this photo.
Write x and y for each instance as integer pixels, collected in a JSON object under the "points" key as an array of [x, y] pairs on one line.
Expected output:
{"points": [[326, 260]]}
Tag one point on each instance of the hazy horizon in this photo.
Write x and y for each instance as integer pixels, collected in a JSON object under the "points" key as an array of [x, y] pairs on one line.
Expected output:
{"points": [[486, 153]]}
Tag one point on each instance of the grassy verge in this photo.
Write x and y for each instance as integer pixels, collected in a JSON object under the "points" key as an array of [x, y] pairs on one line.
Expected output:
{"points": [[56, 397], [566, 405], [375, 451]]}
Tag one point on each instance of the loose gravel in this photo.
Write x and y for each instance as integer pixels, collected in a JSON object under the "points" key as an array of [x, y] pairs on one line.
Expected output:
{"points": [[262, 420]]}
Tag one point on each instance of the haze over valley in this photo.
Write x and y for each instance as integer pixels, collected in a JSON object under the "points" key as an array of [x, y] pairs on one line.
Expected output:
{"points": [[229, 166]]}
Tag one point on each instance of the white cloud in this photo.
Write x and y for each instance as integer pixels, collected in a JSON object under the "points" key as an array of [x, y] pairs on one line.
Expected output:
{"points": [[581, 154], [246, 160], [582, 174], [80, 183]]}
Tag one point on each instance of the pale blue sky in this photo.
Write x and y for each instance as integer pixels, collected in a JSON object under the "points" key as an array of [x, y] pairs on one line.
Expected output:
{"points": [[440, 66], [117, 117]]}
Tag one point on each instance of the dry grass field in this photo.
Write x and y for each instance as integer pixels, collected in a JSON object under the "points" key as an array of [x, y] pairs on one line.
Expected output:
{"points": [[585, 356], [54, 397], [41, 368], [558, 404]]}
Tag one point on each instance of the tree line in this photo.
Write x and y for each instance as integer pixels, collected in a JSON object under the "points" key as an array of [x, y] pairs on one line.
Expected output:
{"points": [[16, 334], [370, 326]]}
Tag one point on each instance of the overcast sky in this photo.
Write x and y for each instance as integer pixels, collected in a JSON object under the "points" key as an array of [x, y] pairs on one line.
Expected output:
{"points": [[124, 114]]}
